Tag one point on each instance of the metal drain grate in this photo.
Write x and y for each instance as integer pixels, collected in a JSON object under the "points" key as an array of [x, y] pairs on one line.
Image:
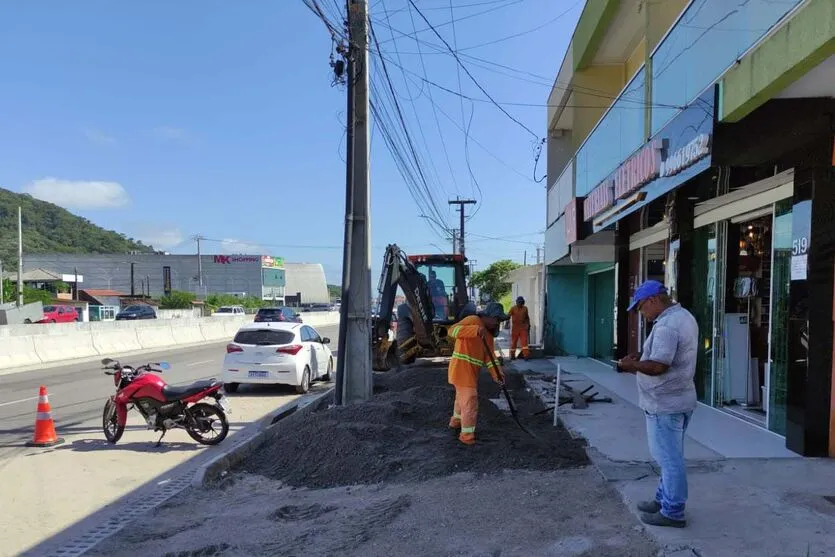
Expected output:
{"points": [[127, 512]]}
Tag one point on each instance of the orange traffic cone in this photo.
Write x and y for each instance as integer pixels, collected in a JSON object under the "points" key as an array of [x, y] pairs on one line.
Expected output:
{"points": [[45, 435]]}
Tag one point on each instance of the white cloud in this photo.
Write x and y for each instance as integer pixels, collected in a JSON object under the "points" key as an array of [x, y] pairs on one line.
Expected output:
{"points": [[79, 194], [99, 137], [160, 237], [232, 246], [172, 133]]}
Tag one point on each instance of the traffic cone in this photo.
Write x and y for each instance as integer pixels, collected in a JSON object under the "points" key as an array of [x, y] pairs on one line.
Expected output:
{"points": [[45, 435]]}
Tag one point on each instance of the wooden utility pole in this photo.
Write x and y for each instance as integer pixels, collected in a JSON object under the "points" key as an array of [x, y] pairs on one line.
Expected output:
{"points": [[461, 203]]}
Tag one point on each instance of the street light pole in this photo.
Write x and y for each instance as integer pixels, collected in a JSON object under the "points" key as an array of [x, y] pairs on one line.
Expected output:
{"points": [[19, 257]]}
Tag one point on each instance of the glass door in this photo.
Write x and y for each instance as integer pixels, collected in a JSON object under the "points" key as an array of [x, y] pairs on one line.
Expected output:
{"points": [[778, 344], [704, 294]]}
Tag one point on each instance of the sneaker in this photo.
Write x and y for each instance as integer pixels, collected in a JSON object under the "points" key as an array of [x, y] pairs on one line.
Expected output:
{"points": [[467, 439], [650, 507], [454, 424], [658, 519]]}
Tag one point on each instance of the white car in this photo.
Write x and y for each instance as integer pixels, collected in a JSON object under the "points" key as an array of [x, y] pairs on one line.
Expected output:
{"points": [[229, 311], [278, 353]]}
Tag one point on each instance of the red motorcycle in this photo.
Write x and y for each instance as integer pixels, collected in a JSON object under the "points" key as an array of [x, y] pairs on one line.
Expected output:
{"points": [[163, 406]]}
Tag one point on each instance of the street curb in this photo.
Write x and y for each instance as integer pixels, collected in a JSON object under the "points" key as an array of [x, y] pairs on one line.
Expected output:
{"points": [[213, 470]]}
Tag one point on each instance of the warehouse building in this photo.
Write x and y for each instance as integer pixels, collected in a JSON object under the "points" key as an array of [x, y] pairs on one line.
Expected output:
{"points": [[263, 276]]}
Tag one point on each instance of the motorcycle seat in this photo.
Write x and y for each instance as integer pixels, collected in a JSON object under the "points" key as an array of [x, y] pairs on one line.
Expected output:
{"points": [[176, 392]]}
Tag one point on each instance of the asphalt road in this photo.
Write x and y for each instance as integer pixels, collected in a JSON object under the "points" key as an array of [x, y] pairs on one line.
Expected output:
{"points": [[55, 488]]}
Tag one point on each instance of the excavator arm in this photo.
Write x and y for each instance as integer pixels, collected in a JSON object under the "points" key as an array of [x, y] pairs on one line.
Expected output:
{"points": [[399, 271]]}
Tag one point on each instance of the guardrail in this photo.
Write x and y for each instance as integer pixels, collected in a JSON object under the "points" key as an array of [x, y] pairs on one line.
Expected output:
{"points": [[30, 345]]}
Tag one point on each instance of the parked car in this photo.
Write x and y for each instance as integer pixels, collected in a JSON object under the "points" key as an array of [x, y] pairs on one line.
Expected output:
{"points": [[136, 312], [277, 315], [60, 314], [278, 354], [229, 311]]}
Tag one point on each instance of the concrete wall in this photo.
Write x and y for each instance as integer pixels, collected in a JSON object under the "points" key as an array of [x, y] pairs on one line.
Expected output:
{"points": [[32, 345], [527, 282]]}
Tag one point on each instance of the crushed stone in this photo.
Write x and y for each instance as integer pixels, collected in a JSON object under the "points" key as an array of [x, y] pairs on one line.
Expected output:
{"points": [[401, 435]]}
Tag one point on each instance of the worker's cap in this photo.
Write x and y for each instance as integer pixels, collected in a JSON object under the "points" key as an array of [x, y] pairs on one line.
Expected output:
{"points": [[520, 300], [648, 289], [493, 309]]}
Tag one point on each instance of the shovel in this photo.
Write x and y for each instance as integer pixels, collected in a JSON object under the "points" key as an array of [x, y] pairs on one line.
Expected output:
{"points": [[513, 412]]}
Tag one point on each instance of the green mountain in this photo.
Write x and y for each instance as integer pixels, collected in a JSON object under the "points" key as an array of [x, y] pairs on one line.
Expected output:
{"points": [[48, 228]]}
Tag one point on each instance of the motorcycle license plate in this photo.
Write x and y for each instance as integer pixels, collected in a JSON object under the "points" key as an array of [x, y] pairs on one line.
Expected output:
{"points": [[257, 373], [224, 404]]}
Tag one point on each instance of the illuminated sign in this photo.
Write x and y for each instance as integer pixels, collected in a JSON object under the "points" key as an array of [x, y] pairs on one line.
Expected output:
{"points": [[687, 156], [272, 262], [601, 198], [230, 259], [640, 168], [571, 221]]}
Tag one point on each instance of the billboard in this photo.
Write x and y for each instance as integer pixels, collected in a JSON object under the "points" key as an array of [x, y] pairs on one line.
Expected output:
{"points": [[232, 259], [272, 262]]}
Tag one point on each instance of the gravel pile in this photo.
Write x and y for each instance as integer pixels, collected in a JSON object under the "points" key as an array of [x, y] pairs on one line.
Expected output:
{"points": [[401, 435]]}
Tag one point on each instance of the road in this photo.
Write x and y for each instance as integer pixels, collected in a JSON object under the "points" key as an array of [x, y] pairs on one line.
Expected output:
{"points": [[46, 492]]}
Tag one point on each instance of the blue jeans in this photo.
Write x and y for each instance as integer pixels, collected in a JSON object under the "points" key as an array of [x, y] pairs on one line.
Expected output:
{"points": [[665, 433]]}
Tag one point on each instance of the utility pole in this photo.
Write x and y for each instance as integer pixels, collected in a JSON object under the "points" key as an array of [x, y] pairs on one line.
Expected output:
{"points": [[454, 241], [19, 257], [525, 258], [355, 379], [2, 282], [197, 238], [461, 203]]}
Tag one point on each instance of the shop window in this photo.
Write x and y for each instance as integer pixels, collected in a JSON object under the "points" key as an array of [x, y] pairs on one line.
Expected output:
{"points": [[704, 265], [706, 41], [779, 341], [618, 134]]}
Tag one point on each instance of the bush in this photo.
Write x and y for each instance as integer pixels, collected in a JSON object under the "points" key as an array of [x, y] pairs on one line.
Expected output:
{"points": [[177, 300]]}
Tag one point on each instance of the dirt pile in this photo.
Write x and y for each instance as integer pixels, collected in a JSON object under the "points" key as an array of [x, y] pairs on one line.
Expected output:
{"points": [[401, 435]]}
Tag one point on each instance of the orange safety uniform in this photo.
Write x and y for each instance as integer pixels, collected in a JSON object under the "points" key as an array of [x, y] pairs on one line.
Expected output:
{"points": [[468, 357], [519, 323]]}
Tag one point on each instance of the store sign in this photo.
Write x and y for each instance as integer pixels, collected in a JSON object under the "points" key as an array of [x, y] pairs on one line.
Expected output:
{"points": [[601, 198], [572, 221], [801, 232], [687, 156], [232, 259], [166, 281], [641, 168], [272, 262]]}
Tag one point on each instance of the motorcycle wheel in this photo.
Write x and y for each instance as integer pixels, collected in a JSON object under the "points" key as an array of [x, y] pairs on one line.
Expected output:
{"points": [[110, 423], [210, 426]]}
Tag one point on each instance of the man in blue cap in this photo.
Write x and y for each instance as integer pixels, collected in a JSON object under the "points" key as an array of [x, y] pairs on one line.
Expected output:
{"points": [[666, 394]]}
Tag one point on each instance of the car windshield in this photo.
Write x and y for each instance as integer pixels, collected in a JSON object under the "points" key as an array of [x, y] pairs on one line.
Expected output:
{"points": [[264, 337], [133, 308], [49, 308], [269, 311], [225, 310]]}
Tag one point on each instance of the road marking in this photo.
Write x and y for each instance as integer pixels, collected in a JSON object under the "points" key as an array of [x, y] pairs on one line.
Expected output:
{"points": [[17, 401], [195, 364]]}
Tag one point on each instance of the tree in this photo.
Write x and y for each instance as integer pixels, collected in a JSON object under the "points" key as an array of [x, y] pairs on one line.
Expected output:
{"points": [[493, 280], [9, 290], [31, 295], [334, 291], [177, 300]]}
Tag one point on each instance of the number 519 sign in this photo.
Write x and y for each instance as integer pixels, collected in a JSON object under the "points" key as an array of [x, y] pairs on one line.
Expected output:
{"points": [[801, 230]]}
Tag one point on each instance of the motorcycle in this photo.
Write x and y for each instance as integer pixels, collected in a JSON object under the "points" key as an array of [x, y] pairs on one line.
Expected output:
{"points": [[163, 406]]}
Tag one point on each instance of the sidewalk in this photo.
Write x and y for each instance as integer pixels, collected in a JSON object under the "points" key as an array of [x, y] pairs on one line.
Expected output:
{"points": [[749, 495]]}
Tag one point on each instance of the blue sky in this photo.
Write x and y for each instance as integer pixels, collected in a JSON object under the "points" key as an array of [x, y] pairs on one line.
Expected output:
{"points": [[165, 119]]}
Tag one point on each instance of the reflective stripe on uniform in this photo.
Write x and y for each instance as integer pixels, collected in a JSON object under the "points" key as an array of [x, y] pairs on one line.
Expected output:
{"points": [[466, 358], [491, 364], [455, 330], [468, 429], [456, 415]]}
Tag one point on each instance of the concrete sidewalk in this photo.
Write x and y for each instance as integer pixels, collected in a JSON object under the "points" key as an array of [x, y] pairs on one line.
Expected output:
{"points": [[749, 495]]}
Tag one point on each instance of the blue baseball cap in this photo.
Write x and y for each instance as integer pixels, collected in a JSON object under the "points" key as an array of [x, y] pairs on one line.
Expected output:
{"points": [[648, 289]]}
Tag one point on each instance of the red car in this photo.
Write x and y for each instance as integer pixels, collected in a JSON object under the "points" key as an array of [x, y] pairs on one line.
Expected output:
{"points": [[59, 314]]}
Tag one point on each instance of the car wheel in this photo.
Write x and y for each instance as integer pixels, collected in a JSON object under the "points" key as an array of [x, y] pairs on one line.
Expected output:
{"points": [[231, 387], [304, 387], [328, 376], [52, 321]]}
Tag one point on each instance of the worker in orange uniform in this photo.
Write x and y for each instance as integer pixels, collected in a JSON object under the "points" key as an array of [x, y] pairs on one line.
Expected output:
{"points": [[468, 357], [520, 324]]}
